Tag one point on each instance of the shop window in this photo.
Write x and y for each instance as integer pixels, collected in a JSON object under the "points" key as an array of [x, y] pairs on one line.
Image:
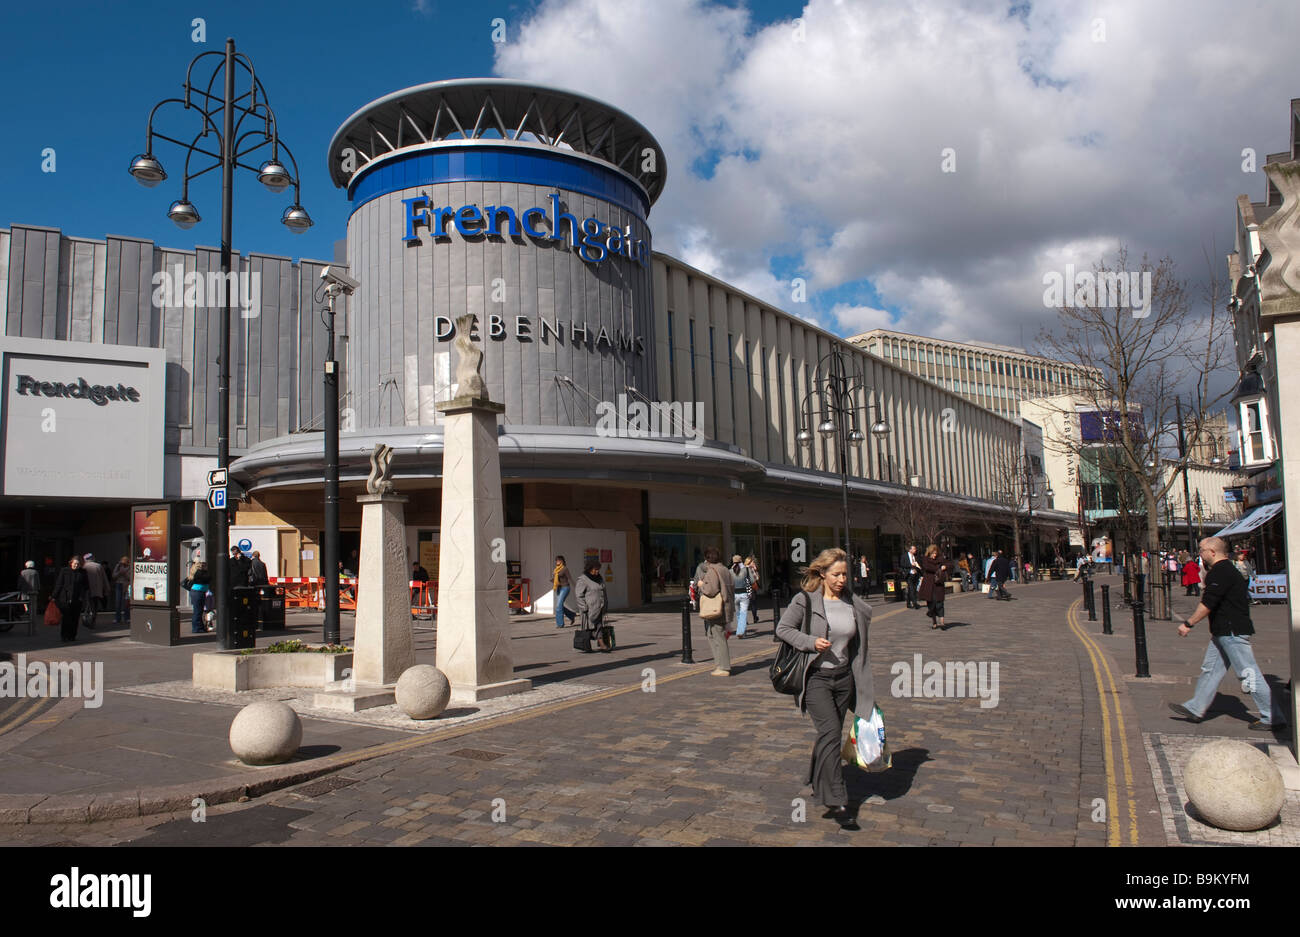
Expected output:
{"points": [[1256, 446]]}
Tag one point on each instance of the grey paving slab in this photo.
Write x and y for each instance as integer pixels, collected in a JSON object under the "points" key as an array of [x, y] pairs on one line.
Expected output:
{"points": [[706, 761]]}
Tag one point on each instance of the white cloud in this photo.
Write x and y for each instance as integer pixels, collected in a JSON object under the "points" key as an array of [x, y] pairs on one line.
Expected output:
{"points": [[850, 320], [830, 148]]}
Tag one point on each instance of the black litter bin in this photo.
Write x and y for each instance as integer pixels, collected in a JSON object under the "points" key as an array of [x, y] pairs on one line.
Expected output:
{"points": [[243, 617], [272, 607], [895, 587]]}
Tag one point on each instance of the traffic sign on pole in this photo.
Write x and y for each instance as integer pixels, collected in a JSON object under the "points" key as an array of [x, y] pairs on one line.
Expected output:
{"points": [[217, 499], [217, 478]]}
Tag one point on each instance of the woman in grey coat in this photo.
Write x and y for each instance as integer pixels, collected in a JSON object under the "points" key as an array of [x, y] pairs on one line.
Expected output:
{"points": [[717, 578], [589, 595], [837, 669]]}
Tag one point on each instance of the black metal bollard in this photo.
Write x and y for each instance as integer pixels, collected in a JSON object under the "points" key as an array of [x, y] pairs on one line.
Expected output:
{"points": [[1092, 600], [1083, 584], [686, 632], [1105, 610], [1140, 630]]}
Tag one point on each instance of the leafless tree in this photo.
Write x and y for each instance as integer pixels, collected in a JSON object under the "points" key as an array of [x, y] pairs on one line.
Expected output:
{"points": [[1142, 358], [923, 517]]}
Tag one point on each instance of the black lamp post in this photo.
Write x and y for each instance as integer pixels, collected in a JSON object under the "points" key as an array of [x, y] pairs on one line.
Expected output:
{"points": [[335, 283], [1182, 455], [839, 421], [148, 171]]}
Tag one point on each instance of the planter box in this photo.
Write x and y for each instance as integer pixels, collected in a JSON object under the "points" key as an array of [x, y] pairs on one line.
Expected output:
{"points": [[235, 670]]}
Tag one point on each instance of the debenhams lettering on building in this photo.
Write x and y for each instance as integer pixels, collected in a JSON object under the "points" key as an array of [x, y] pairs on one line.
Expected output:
{"points": [[585, 335], [99, 394]]}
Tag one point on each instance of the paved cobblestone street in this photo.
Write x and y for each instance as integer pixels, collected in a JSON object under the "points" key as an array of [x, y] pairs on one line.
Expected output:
{"points": [[707, 760]]}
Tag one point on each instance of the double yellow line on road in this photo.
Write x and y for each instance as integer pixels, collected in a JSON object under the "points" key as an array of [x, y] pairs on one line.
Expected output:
{"points": [[23, 714], [1100, 666]]}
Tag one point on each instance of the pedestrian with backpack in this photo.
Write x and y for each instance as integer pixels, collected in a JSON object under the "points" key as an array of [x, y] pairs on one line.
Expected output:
{"points": [[717, 593], [828, 624]]}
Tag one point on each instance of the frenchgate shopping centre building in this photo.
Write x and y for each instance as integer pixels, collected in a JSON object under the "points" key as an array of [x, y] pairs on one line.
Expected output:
{"points": [[528, 207]]}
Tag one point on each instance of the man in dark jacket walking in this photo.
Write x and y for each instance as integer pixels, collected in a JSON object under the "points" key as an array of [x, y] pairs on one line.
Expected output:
{"points": [[238, 568], [1225, 601], [71, 589], [1000, 571]]}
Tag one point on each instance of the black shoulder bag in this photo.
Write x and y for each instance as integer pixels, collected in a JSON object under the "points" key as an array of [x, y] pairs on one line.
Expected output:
{"points": [[787, 668]]}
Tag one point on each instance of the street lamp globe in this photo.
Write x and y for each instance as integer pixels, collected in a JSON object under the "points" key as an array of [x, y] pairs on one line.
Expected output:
{"points": [[857, 437], [826, 428], [296, 219], [805, 438], [183, 212], [880, 429], [147, 170], [274, 176]]}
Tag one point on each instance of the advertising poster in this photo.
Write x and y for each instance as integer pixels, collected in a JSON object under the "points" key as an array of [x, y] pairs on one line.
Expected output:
{"points": [[150, 537], [1269, 588]]}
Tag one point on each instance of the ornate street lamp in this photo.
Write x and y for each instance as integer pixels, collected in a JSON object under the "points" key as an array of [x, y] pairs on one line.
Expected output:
{"points": [[839, 422], [230, 136]]}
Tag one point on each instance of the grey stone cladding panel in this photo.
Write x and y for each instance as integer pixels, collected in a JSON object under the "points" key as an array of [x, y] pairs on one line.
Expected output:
{"points": [[412, 292]]}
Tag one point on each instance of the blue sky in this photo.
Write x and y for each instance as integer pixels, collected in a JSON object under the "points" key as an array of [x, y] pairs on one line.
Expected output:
{"points": [[803, 139], [83, 77]]}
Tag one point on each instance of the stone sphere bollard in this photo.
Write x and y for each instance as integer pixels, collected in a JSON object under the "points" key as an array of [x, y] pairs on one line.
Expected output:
{"points": [[423, 691], [266, 733], [1234, 786]]}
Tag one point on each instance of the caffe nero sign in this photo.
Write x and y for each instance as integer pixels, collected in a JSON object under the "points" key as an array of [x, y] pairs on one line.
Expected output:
{"points": [[98, 394]]}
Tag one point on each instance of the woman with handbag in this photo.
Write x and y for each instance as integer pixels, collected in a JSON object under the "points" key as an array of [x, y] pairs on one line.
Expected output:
{"points": [[589, 594], [198, 584], [717, 608], [933, 573], [71, 588], [829, 625]]}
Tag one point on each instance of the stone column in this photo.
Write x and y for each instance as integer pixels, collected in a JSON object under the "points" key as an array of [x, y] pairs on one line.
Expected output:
{"points": [[385, 637], [473, 615], [1286, 346]]}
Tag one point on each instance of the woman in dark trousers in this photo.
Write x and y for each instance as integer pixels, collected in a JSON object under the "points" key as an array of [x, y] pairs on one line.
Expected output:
{"points": [[589, 595], [200, 584], [71, 587], [934, 572], [122, 592], [837, 669]]}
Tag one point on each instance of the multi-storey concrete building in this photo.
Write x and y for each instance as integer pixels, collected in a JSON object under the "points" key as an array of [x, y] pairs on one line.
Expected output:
{"points": [[547, 242], [996, 377]]}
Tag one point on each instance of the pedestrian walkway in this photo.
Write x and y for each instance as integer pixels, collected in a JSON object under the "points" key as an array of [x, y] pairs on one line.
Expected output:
{"points": [[1053, 746]]}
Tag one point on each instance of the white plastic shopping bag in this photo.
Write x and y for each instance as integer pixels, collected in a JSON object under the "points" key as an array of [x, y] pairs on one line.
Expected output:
{"points": [[866, 746]]}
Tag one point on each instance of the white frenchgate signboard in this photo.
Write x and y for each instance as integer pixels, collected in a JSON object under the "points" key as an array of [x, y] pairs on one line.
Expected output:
{"points": [[81, 419]]}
